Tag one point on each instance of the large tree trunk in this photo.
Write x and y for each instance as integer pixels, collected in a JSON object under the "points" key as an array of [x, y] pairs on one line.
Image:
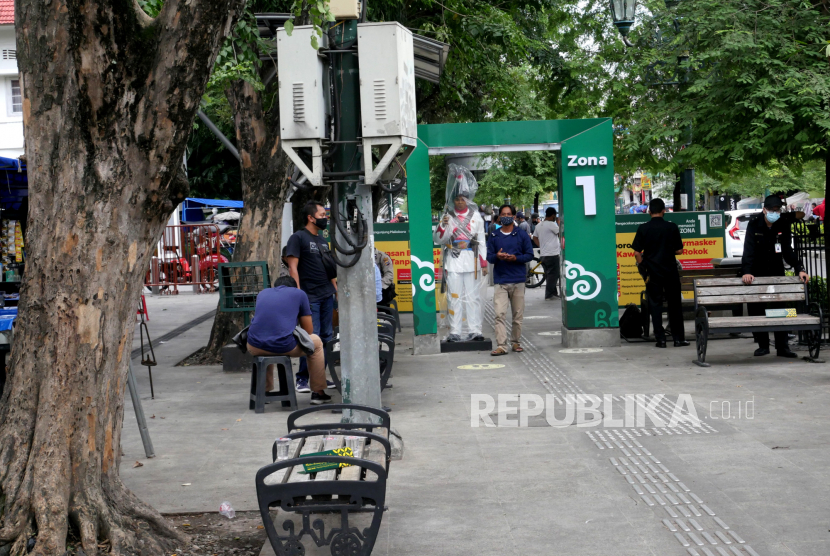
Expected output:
{"points": [[109, 100], [264, 192]]}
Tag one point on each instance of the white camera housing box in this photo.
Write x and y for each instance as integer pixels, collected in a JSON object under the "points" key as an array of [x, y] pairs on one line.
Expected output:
{"points": [[387, 80], [302, 85], [387, 96], [303, 93]]}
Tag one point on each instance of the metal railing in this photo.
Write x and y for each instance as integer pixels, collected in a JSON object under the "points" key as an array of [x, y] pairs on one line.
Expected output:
{"points": [[810, 248], [187, 255]]}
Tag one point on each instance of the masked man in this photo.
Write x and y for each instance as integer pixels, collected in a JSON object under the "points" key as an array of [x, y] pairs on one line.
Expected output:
{"points": [[461, 233]]}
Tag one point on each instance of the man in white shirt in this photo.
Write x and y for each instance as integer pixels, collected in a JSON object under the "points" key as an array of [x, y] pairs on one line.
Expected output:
{"points": [[461, 233], [546, 237]]}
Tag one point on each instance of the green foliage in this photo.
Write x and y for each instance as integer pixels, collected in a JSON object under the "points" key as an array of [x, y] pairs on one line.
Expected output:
{"points": [[317, 13], [755, 90], [238, 58], [489, 42], [520, 176], [213, 172], [151, 7], [775, 177], [817, 286]]}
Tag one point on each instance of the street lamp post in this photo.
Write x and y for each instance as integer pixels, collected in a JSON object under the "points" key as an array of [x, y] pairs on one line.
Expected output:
{"points": [[622, 12]]}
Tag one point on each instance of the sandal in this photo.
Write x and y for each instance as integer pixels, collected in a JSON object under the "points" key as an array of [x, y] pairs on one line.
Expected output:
{"points": [[517, 348], [498, 351]]}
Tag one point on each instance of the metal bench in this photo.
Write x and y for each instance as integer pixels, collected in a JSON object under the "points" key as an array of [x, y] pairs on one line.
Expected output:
{"points": [[393, 311], [331, 495], [386, 356], [717, 292]]}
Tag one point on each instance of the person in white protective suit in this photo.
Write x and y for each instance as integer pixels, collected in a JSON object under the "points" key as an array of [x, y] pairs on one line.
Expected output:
{"points": [[460, 232]]}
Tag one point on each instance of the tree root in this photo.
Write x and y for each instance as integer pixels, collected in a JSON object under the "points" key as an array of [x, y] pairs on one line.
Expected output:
{"points": [[108, 520]]}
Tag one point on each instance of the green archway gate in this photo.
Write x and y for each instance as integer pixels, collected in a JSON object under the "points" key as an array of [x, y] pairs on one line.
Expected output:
{"points": [[586, 196]]}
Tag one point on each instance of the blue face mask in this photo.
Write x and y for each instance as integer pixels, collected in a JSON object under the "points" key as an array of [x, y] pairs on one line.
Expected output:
{"points": [[506, 220], [773, 217]]}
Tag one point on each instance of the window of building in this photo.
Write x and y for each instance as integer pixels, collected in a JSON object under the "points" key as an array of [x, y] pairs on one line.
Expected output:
{"points": [[16, 99]]}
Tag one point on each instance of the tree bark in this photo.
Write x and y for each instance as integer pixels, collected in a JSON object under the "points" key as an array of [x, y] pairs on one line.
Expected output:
{"points": [[109, 100], [265, 190]]}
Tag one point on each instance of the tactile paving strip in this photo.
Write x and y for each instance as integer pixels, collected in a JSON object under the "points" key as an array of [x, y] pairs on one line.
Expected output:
{"points": [[694, 524]]}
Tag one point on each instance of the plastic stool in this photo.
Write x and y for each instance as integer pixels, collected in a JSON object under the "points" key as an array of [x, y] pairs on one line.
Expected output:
{"points": [[284, 372]]}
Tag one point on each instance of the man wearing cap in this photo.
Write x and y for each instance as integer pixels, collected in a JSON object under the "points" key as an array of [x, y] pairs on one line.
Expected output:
{"points": [[520, 218], [767, 244], [546, 237]]}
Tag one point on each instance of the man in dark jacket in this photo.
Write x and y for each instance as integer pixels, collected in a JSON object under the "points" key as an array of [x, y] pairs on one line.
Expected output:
{"points": [[508, 249], [655, 245], [767, 244]]}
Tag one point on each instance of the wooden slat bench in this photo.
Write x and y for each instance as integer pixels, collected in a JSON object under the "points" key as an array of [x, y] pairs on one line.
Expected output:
{"points": [[687, 278], [336, 493], [717, 292]]}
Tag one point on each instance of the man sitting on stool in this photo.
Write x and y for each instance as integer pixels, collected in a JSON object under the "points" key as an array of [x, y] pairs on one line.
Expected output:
{"points": [[277, 312], [655, 245], [767, 244]]}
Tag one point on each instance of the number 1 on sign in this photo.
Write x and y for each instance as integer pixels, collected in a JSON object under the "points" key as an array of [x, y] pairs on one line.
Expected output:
{"points": [[589, 194]]}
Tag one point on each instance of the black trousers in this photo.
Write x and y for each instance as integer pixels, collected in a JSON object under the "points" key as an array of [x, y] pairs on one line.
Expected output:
{"points": [[762, 338], [551, 266], [668, 290]]}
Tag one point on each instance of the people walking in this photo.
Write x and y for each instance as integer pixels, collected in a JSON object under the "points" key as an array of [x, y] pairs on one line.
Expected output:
{"points": [[546, 237], [508, 249], [767, 245], [655, 246], [313, 269]]}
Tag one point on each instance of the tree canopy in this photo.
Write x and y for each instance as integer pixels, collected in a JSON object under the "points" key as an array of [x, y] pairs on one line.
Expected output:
{"points": [[752, 87]]}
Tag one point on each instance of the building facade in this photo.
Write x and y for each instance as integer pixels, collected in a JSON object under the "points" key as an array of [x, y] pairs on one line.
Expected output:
{"points": [[11, 93]]}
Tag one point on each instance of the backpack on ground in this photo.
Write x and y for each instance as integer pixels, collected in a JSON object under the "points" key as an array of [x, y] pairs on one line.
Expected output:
{"points": [[631, 324]]}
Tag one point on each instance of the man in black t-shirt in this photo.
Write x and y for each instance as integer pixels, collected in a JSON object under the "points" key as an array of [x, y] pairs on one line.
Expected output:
{"points": [[307, 256], [655, 245]]}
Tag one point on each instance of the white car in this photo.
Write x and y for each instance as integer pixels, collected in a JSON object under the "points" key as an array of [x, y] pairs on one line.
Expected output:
{"points": [[736, 222]]}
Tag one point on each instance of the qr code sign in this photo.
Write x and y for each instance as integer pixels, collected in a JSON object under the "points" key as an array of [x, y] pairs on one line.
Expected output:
{"points": [[716, 221]]}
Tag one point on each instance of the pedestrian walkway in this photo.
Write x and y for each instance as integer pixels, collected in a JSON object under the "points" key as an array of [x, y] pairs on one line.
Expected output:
{"points": [[535, 489]]}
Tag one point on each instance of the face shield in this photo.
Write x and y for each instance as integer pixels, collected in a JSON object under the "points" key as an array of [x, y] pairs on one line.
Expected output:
{"points": [[461, 189]]}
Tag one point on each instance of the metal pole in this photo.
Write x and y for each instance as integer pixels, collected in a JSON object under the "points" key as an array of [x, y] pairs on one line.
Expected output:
{"points": [[154, 275], [139, 414], [356, 285], [219, 135], [195, 275]]}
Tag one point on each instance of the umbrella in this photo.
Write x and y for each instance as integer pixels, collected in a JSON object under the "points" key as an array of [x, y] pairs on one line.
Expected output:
{"points": [[230, 215]]}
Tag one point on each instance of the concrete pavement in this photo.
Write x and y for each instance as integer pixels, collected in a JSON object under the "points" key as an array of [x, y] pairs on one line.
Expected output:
{"points": [[539, 489]]}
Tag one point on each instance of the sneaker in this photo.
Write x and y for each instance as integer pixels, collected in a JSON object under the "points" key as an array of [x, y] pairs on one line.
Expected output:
{"points": [[330, 385], [317, 399], [453, 338], [302, 386]]}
